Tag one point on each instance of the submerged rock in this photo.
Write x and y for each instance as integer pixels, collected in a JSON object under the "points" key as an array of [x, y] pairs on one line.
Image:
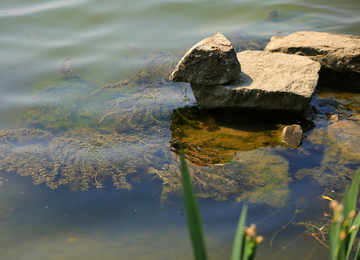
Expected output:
{"points": [[339, 55], [346, 133], [292, 135], [268, 81], [211, 61], [341, 156], [267, 174]]}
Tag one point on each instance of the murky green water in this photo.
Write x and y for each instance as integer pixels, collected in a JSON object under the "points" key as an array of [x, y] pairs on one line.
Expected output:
{"points": [[91, 172]]}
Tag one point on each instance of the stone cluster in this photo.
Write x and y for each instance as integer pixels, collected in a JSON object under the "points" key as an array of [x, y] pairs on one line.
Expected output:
{"points": [[283, 77]]}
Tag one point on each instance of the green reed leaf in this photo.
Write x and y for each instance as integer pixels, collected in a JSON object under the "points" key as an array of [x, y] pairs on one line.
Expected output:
{"points": [[237, 252], [350, 202], [356, 222], [192, 213], [350, 198]]}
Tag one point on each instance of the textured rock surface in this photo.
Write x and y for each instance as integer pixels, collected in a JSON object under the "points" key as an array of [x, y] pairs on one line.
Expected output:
{"points": [[347, 133], [339, 55], [292, 135], [268, 81], [211, 61]]}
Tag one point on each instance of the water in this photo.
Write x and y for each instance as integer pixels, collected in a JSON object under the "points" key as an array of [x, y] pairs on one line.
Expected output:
{"points": [[110, 41]]}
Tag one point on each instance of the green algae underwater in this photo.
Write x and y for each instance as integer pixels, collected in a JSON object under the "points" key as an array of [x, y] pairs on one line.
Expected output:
{"points": [[84, 134]]}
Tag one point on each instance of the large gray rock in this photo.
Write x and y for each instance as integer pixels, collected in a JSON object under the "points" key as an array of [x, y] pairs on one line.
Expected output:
{"points": [[339, 55], [268, 81], [211, 61]]}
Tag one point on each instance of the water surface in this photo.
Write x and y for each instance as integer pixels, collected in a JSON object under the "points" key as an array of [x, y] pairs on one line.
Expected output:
{"points": [[110, 41]]}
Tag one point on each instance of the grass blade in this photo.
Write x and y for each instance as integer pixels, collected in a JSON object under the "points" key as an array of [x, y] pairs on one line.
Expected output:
{"points": [[357, 255], [192, 213], [334, 240], [351, 197], [353, 235], [350, 200], [239, 237]]}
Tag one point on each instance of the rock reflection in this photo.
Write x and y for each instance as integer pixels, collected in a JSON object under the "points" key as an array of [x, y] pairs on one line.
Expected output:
{"points": [[209, 139]]}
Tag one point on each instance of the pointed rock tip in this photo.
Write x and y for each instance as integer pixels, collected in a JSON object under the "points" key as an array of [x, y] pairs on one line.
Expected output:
{"points": [[221, 39]]}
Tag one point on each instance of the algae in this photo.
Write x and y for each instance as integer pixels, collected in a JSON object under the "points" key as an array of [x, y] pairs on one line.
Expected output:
{"points": [[260, 176], [243, 42], [85, 158], [209, 140], [64, 103], [337, 111], [341, 154], [84, 134], [333, 100], [265, 174], [155, 73], [70, 101]]}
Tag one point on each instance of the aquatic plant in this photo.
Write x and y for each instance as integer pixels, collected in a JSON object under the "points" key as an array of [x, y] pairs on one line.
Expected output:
{"points": [[70, 102], [339, 138], [244, 159], [345, 224], [85, 158], [82, 158], [156, 73], [81, 133], [340, 141], [246, 239], [242, 42], [337, 232]]}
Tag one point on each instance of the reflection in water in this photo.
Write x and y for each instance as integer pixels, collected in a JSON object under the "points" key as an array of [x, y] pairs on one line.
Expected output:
{"points": [[209, 140]]}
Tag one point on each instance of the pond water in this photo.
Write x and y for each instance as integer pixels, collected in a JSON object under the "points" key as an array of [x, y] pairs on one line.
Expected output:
{"points": [[90, 129]]}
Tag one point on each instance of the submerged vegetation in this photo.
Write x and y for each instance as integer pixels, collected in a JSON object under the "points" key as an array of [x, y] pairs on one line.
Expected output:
{"points": [[339, 139], [246, 239], [342, 228], [83, 133], [82, 158]]}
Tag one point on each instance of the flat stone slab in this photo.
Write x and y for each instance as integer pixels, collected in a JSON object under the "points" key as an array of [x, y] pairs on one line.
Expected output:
{"points": [[268, 81], [209, 62], [339, 55]]}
